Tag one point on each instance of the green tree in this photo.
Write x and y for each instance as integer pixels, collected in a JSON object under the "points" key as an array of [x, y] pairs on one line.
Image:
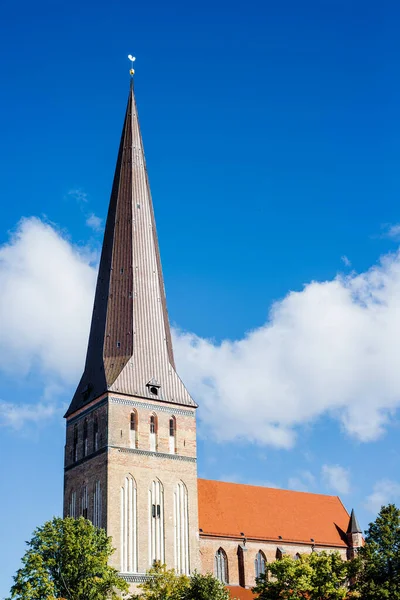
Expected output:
{"points": [[163, 584], [205, 587], [315, 576], [68, 559], [379, 558]]}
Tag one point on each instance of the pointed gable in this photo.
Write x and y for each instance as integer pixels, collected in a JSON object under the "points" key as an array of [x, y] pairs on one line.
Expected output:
{"points": [[230, 509], [130, 338]]}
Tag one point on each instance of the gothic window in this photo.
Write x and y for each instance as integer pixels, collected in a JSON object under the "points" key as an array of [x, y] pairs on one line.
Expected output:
{"points": [[84, 502], [221, 566], [297, 556], [259, 563], [280, 552], [133, 429], [75, 448], [85, 437], [153, 433], [129, 526], [172, 435], [97, 517], [156, 516], [95, 434], [181, 526], [240, 555], [72, 505]]}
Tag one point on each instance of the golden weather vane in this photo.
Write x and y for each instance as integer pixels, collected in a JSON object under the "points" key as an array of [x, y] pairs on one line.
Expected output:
{"points": [[132, 59]]}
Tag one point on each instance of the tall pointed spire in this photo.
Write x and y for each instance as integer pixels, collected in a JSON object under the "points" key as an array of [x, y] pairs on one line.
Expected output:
{"points": [[130, 349]]}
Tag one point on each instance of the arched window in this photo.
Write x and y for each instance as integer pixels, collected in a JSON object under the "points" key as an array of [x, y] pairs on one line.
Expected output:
{"points": [[297, 556], [259, 563], [133, 429], [75, 447], [240, 555], [85, 438], [221, 566], [172, 435], [181, 525], [128, 526], [153, 433], [95, 434], [156, 516]]}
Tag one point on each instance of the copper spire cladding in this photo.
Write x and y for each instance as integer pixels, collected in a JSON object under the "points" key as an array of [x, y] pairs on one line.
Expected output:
{"points": [[130, 349]]}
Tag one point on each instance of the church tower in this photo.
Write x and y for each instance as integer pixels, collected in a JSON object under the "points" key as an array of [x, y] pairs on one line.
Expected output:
{"points": [[130, 454]]}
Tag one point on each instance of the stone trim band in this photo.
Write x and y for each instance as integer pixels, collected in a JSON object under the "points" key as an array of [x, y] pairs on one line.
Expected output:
{"points": [[171, 410], [155, 454]]}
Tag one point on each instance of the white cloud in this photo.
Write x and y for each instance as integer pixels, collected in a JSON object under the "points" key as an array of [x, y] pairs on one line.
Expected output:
{"points": [[394, 232], [94, 222], [79, 196], [385, 491], [18, 416], [336, 478], [330, 349], [304, 481], [45, 303], [346, 261]]}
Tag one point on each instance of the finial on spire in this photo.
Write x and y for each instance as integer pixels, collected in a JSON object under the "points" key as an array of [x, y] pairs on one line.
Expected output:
{"points": [[132, 59]]}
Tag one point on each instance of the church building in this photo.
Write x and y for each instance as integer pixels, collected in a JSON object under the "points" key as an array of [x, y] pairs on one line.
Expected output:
{"points": [[130, 454]]}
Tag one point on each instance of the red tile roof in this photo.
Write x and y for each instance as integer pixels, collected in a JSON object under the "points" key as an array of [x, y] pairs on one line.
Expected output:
{"points": [[240, 593], [228, 509]]}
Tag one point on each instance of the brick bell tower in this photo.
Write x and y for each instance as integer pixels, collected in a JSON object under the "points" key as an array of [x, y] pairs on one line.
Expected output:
{"points": [[130, 454]]}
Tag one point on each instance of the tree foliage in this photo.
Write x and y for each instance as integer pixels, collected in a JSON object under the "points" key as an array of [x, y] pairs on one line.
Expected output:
{"points": [[165, 584], [379, 559], [68, 559], [315, 576]]}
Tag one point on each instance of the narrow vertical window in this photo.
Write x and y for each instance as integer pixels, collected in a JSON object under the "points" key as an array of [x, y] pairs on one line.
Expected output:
{"points": [[172, 435], [95, 434], [221, 566], [133, 429], [97, 516], [72, 505], [156, 524], [84, 502], [240, 555], [128, 546], [181, 526], [75, 446], [259, 563], [153, 433], [85, 438]]}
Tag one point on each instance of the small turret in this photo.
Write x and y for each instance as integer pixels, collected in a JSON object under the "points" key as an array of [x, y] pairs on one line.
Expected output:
{"points": [[354, 535]]}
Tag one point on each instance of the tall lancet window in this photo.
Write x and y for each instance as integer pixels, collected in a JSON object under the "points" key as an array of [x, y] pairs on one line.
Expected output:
{"points": [[75, 446], [84, 502], [221, 566], [128, 547], [153, 433], [156, 522], [181, 524], [97, 504], [72, 505], [95, 434], [259, 563], [85, 438], [133, 429], [172, 435]]}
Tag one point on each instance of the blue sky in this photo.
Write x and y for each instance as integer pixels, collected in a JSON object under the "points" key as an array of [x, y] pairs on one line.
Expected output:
{"points": [[272, 135]]}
